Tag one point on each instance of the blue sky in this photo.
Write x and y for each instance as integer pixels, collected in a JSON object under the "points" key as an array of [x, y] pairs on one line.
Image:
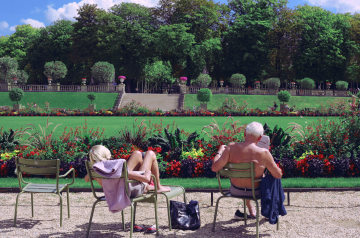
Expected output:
{"points": [[41, 13]]}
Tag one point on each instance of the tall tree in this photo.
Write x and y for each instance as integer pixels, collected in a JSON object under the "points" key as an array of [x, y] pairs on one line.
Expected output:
{"points": [[353, 65]]}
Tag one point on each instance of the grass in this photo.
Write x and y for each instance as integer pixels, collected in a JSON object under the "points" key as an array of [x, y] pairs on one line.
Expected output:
{"points": [[261, 101], [113, 125], [70, 100], [209, 183]]}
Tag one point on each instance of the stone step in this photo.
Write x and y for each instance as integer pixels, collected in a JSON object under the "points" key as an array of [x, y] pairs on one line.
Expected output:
{"points": [[165, 102]]}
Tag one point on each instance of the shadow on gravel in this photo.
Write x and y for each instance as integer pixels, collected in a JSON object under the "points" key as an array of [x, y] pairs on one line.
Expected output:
{"points": [[20, 223]]}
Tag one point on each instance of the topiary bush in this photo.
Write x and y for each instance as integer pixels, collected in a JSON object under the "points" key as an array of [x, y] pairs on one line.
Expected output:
{"points": [[103, 72], [238, 80], [307, 83], [55, 70], [203, 80], [204, 95], [273, 83], [284, 96], [342, 85], [91, 96], [16, 94]]}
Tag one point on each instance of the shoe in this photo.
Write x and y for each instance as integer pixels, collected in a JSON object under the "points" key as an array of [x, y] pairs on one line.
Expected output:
{"points": [[138, 228], [240, 216], [151, 229]]}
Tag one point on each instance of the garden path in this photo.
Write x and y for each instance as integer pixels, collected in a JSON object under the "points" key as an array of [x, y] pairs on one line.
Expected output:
{"points": [[315, 214]]}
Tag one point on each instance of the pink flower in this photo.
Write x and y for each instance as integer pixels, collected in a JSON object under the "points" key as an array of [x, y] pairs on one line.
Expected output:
{"points": [[122, 77], [183, 78]]}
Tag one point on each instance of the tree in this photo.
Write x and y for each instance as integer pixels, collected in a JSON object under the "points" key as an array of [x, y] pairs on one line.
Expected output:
{"points": [[103, 72], [307, 83], [204, 95], [238, 80], [91, 96], [16, 94], [273, 83], [20, 75], [284, 96], [55, 70], [7, 68], [203, 80], [158, 72]]}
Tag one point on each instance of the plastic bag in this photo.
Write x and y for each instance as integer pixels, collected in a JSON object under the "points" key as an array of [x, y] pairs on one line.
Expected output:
{"points": [[185, 216]]}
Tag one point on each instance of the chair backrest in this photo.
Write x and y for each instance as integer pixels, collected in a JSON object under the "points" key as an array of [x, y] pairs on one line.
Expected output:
{"points": [[92, 174], [239, 170], [37, 167]]}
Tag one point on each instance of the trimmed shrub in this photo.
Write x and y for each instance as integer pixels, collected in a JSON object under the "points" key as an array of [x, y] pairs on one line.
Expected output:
{"points": [[16, 94], [22, 76], [55, 70], [307, 83], [91, 96], [203, 80], [284, 96], [103, 72], [204, 95], [273, 83], [8, 66], [238, 80], [342, 85]]}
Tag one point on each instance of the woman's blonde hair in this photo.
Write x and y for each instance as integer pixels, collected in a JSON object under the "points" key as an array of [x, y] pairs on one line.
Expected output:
{"points": [[99, 153]]}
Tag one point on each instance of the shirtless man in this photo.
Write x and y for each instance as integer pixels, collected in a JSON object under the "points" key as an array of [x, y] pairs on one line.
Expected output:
{"points": [[243, 153]]}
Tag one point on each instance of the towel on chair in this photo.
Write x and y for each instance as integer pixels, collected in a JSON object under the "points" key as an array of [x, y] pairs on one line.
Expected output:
{"points": [[114, 189]]}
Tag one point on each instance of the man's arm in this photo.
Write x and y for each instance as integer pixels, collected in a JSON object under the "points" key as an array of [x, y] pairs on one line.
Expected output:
{"points": [[271, 166], [221, 159]]}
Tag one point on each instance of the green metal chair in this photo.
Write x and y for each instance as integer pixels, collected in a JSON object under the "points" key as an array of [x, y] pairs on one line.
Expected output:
{"points": [[147, 198], [41, 167], [241, 170]]}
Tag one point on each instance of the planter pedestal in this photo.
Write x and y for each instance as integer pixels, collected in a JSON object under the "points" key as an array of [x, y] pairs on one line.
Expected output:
{"points": [[203, 106], [83, 88], [293, 92], [183, 88], [17, 107], [256, 91], [92, 107], [329, 93], [120, 87], [273, 91]]}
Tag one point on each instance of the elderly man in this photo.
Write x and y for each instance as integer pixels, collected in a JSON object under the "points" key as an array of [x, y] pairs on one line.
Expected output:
{"points": [[245, 152]]}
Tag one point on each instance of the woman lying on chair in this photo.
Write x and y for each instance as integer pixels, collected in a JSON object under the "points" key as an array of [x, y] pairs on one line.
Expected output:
{"points": [[138, 161]]}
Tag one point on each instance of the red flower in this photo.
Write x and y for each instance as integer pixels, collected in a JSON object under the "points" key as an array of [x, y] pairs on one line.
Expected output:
{"points": [[209, 145]]}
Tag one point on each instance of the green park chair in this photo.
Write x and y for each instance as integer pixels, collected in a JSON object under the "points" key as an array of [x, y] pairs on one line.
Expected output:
{"points": [[41, 167], [241, 170], [146, 198]]}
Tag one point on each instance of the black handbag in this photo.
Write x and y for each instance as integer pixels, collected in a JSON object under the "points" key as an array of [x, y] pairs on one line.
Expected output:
{"points": [[185, 216]]}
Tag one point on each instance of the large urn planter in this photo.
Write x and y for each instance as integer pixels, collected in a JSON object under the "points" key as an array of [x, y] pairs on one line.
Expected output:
{"points": [[92, 107], [203, 106], [16, 107]]}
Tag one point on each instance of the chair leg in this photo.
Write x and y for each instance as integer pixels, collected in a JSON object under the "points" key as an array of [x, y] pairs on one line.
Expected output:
{"points": [[277, 224], [91, 216], [16, 207], [135, 203], [60, 209], [184, 197], [68, 203], [245, 215], [168, 210], [123, 220], [132, 220], [216, 209], [32, 205], [257, 219], [156, 218]]}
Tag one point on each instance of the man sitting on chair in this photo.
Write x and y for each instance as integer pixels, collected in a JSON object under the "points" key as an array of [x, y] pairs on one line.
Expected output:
{"points": [[246, 152]]}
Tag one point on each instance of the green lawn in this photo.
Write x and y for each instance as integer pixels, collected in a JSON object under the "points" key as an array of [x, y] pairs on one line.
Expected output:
{"points": [[210, 183], [113, 125], [71, 100], [261, 101]]}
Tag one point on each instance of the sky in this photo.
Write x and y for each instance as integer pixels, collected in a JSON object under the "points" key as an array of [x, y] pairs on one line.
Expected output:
{"points": [[41, 13]]}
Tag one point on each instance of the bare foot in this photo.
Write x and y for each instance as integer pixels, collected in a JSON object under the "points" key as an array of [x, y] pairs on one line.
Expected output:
{"points": [[163, 189]]}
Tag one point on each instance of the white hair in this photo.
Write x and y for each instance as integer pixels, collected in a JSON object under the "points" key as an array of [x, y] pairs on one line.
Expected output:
{"points": [[99, 153], [255, 129]]}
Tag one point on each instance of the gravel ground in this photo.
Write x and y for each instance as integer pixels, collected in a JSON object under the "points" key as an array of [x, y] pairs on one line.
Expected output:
{"points": [[314, 214]]}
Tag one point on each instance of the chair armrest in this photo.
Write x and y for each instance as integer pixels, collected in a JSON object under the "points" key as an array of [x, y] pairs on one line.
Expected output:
{"points": [[258, 180], [67, 173]]}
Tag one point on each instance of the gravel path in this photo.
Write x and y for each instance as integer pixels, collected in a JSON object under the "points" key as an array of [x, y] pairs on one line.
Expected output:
{"points": [[315, 214]]}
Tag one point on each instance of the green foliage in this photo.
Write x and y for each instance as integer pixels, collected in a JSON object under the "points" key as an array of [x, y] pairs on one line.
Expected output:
{"points": [[358, 94], [307, 83], [22, 76], [284, 96], [55, 70], [273, 83], [7, 140], [203, 80], [238, 80], [8, 66], [204, 95], [103, 72], [16, 94], [342, 85], [158, 72], [91, 96]]}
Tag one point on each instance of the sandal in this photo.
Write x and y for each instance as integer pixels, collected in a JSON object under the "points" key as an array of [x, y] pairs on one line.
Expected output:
{"points": [[138, 228], [151, 229]]}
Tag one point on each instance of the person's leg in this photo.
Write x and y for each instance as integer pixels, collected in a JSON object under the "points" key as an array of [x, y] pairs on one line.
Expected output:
{"points": [[135, 161], [150, 163], [251, 208]]}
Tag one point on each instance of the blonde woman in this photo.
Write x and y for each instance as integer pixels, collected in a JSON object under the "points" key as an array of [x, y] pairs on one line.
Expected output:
{"points": [[138, 161]]}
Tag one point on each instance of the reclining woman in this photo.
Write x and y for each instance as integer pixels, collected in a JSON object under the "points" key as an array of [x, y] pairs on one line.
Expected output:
{"points": [[138, 161]]}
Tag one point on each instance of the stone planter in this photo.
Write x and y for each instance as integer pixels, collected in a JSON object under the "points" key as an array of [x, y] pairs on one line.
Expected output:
{"points": [[293, 92], [292, 85], [16, 107], [203, 106], [329, 93], [92, 107]]}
